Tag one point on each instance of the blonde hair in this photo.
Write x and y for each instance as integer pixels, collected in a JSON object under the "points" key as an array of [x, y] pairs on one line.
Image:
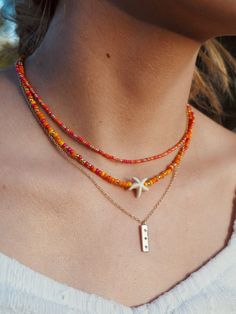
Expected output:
{"points": [[211, 80]]}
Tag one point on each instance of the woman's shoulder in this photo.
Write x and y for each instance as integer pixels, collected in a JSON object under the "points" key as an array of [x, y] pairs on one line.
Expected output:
{"points": [[9, 94], [7, 78], [212, 169], [15, 124], [215, 142], [13, 110]]}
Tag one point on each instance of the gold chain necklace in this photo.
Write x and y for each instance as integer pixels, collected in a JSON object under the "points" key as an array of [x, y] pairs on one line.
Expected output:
{"points": [[143, 228]]}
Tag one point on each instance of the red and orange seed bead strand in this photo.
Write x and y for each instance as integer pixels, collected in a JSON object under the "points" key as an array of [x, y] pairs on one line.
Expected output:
{"points": [[90, 146], [72, 153]]}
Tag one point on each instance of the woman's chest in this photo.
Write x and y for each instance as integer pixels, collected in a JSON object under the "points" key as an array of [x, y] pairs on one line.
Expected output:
{"points": [[77, 237], [97, 249]]}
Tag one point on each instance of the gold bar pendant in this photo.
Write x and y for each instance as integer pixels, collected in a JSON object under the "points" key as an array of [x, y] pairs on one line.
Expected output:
{"points": [[144, 238]]}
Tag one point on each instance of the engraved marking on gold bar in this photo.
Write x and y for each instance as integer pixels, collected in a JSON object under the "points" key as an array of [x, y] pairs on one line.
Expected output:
{"points": [[144, 238]]}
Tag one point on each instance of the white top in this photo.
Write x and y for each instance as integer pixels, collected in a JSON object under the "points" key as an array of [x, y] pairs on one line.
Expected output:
{"points": [[209, 290]]}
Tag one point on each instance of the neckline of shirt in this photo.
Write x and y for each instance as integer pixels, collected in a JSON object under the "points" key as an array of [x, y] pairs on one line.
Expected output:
{"points": [[19, 276]]}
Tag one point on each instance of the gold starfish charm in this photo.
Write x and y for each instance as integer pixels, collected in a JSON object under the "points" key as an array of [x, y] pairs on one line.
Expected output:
{"points": [[139, 186]]}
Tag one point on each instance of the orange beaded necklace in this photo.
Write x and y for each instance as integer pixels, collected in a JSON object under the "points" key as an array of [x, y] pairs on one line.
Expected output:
{"points": [[33, 100]]}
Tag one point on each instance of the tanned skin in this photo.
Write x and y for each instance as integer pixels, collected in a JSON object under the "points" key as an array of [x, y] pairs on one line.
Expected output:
{"points": [[119, 74]]}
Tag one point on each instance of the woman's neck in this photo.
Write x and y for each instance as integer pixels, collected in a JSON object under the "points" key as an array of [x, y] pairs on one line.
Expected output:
{"points": [[120, 82]]}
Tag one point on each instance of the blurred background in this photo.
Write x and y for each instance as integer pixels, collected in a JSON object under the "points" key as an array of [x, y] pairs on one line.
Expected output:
{"points": [[8, 54]]}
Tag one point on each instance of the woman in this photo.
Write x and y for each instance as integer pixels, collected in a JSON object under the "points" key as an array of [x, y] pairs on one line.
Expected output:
{"points": [[118, 74]]}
